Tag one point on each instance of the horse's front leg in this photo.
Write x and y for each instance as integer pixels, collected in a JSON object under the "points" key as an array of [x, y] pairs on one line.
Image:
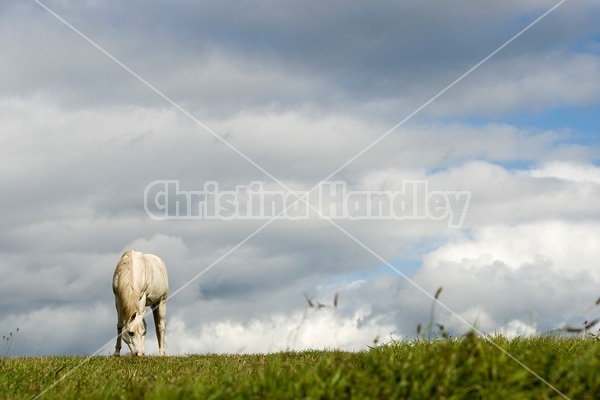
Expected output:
{"points": [[118, 345], [160, 324], [119, 329]]}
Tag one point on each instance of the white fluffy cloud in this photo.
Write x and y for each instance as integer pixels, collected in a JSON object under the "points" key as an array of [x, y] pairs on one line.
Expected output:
{"points": [[542, 274], [313, 328], [569, 172]]}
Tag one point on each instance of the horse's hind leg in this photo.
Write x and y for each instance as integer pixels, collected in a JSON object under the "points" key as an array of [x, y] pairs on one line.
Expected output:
{"points": [[160, 324]]}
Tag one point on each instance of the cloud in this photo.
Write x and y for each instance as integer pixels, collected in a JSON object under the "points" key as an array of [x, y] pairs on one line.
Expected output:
{"points": [[516, 328], [299, 90], [501, 196], [169, 247], [62, 329], [225, 58], [542, 274], [526, 83], [568, 172], [310, 329]]}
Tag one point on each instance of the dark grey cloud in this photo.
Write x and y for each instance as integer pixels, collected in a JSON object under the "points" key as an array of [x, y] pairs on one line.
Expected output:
{"points": [[225, 57]]}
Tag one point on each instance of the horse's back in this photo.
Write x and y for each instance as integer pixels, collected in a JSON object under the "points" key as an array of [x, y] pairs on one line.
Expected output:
{"points": [[156, 273], [145, 273]]}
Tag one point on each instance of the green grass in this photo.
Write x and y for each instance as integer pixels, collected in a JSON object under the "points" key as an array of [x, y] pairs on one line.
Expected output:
{"points": [[468, 368]]}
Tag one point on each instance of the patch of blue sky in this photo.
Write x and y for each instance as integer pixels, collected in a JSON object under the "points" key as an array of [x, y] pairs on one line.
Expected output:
{"points": [[511, 164], [574, 125], [518, 165], [398, 269], [577, 125], [408, 267], [581, 125], [587, 44]]}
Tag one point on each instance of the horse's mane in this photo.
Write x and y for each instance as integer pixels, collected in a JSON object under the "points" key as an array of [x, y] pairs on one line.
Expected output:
{"points": [[128, 295]]}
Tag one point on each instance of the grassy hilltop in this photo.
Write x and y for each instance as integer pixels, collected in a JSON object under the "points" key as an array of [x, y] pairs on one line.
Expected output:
{"points": [[466, 368]]}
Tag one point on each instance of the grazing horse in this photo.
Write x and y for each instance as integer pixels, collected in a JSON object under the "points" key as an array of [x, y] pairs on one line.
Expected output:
{"points": [[140, 280]]}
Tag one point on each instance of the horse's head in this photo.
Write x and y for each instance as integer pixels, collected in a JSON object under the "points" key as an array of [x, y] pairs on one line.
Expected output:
{"points": [[134, 333]]}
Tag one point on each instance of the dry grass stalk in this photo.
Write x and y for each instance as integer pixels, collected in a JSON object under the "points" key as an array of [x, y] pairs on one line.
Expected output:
{"points": [[8, 340]]}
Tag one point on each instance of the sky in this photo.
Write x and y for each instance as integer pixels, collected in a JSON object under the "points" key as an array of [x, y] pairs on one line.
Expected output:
{"points": [[99, 100]]}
